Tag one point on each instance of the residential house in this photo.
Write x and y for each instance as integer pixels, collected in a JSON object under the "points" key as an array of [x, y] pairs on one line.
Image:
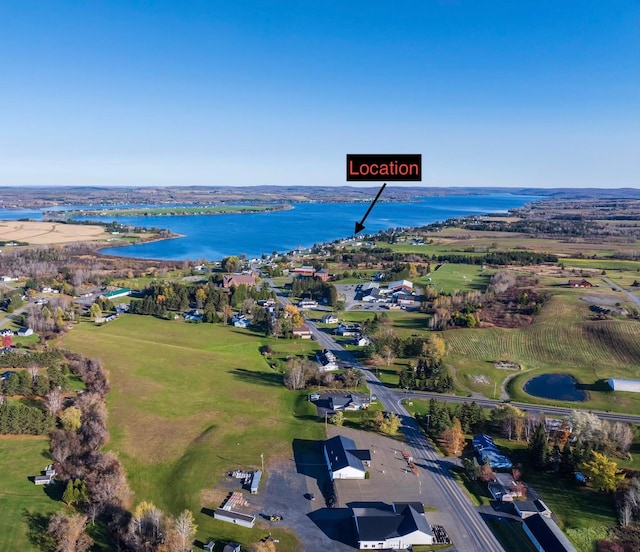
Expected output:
{"points": [[398, 527], [25, 332], [323, 274], [240, 321], [342, 459], [303, 271], [231, 547], [340, 402], [486, 450], [307, 304], [362, 341], [329, 319], [348, 330], [580, 283], [327, 360], [229, 280], [504, 488], [303, 332]]}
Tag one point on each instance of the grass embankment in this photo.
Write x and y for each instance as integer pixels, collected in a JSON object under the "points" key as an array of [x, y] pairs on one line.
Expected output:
{"points": [[563, 338], [189, 402]]}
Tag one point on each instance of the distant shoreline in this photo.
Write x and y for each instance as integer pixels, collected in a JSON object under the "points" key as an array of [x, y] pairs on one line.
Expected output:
{"points": [[171, 211]]}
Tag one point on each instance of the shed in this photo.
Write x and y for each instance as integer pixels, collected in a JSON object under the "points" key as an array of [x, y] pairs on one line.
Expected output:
{"points": [[42, 479], [246, 520], [619, 384], [231, 547], [255, 481], [209, 546]]}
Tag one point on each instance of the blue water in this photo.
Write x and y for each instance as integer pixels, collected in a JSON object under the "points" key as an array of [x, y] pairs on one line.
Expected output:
{"points": [[561, 387], [212, 237]]}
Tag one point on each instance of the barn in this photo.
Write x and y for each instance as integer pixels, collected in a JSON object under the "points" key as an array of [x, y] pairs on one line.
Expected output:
{"points": [[629, 385]]}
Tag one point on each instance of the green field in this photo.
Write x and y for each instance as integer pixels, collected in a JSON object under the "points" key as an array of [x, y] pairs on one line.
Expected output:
{"points": [[449, 278], [22, 504], [189, 402], [563, 339]]}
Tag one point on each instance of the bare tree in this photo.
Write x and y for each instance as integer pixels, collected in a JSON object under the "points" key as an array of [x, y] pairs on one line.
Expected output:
{"points": [[186, 529], [53, 401], [33, 372], [69, 532]]}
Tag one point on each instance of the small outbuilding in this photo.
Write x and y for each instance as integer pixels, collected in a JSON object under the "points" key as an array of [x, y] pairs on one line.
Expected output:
{"points": [[255, 481], [246, 520], [629, 385]]}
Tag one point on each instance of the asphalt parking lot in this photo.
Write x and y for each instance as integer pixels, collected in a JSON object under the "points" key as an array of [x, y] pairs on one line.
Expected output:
{"points": [[291, 480]]}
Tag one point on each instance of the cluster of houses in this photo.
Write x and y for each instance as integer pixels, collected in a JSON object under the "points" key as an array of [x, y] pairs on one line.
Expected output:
{"points": [[400, 293], [355, 331], [22, 332], [537, 519]]}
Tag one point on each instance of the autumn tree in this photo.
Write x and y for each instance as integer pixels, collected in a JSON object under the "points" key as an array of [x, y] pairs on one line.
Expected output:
{"points": [[71, 418], [292, 312], [485, 473], [69, 533], [95, 311], [337, 419], [453, 438], [390, 424], [602, 472]]}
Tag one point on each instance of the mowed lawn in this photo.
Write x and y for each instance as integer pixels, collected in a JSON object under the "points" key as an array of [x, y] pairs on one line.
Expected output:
{"points": [[188, 403], [450, 277], [22, 504]]}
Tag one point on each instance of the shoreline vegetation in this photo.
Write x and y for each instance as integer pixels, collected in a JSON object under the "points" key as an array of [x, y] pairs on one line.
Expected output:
{"points": [[173, 211]]}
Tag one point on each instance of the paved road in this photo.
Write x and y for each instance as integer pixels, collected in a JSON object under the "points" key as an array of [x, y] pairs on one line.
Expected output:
{"points": [[533, 408], [473, 533], [630, 295]]}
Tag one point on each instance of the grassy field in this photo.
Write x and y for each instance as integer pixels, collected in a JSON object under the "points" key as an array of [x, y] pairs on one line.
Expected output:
{"points": [[450, 278], [189, 402], [175, 211], [563, 339], [21, 502]]}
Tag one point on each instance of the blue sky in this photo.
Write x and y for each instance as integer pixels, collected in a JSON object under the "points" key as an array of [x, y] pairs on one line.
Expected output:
{"points": [[492, 93]]}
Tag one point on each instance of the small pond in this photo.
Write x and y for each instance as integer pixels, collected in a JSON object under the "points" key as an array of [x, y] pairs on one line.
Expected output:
{"points": [[560, 387]]}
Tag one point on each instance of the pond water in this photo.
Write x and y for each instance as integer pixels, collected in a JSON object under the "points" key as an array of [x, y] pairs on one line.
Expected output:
{"points": [[560, 387]]}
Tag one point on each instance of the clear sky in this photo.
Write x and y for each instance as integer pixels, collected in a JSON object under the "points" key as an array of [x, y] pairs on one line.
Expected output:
{"points": [[236, 92]]}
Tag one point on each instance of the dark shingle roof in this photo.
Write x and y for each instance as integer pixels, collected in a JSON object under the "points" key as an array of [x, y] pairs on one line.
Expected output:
{"points": [[403, 518], [548, 534], [338, 451]]}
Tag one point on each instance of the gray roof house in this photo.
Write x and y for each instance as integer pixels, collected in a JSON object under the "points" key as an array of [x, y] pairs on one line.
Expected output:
{"points": [[397, 527], [343, 458]]}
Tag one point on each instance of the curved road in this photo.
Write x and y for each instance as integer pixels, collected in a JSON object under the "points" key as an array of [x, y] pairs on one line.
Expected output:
{"points": [[472, 534]]}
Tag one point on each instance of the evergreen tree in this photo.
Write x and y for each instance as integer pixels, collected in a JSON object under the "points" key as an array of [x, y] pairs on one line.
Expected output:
{"points": [[538, 447]]}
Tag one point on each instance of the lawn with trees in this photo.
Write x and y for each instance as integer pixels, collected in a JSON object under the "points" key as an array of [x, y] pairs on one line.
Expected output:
{"points": [[189, 402]]}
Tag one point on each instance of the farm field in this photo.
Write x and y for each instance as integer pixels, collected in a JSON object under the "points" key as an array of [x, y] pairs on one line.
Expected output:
{"points": [[188, 403], [22, 457], [43, 233], [564, 339]]}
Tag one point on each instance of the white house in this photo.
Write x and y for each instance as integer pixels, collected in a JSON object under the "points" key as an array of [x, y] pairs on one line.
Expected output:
{"points": [[399, 527], [25, 332], [329, 319], [342, 458]]}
